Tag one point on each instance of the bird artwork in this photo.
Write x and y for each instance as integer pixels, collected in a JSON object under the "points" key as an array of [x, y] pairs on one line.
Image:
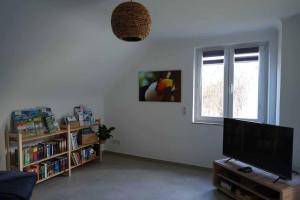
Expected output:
{"points": [[160, 86]]}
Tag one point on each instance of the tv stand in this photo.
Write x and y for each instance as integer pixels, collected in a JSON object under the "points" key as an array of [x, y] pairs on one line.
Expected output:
{"points": [[276, 180], [229, 159], [255, 185], [295, 172], [246, 169]]}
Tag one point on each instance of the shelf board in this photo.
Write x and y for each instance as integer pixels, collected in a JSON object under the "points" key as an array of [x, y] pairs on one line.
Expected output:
{"points": [[83, 127], [44, 179], [228, 193], [72, 167], [45, 135], [13, 135], [44, 159], [84, 146]]}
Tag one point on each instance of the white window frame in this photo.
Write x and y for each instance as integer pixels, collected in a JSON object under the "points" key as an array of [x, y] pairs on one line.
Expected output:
{"points": [[228, 83]]}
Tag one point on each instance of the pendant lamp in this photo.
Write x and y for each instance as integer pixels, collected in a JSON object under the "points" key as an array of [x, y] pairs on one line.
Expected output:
{"points": [[131, 22]]}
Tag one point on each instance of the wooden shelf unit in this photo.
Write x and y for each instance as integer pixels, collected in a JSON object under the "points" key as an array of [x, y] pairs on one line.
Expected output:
{"points": [[22, 141], [251, 182]]}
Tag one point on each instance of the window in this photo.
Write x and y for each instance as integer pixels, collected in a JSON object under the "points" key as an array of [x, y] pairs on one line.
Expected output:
{"points": [[230, 82], [212, 84]]}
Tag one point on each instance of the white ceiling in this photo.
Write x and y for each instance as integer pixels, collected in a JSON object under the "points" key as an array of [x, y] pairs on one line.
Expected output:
{"points": [[184, 18], [194, 18]]}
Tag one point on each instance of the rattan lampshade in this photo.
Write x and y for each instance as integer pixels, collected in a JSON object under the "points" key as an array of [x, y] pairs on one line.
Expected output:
{"points": [[131, 21]]}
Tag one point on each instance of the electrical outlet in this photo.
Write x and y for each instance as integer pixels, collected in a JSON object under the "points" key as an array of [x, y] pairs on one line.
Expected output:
{"points": [[116, 142]]}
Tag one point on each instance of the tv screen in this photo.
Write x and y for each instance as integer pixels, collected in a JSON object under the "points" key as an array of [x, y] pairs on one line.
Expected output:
{"points": [[264, 146]]}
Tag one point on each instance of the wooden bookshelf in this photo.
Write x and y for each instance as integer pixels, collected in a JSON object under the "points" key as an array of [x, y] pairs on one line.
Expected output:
{"points": [[23, 141], [252, 183]]}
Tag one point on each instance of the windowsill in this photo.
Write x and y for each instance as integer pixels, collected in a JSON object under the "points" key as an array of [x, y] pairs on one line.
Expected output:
{"points": [[210, 123]]}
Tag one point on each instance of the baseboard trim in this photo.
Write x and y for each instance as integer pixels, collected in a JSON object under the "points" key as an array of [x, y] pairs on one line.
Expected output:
{"points": [[157, 160]]}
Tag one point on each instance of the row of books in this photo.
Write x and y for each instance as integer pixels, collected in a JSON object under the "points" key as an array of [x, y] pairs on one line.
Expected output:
{"points": [[49, 168], [83, 155], [44, 150], [34, 121]]}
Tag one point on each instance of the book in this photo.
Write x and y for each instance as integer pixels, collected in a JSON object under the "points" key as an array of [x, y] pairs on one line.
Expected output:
{"points": [[84, 115], [75, 159], [45, 170], [35, 153], [74, 141], [27, 121]]}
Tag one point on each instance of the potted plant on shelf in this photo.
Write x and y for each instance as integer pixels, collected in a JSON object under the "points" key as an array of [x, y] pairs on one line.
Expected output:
{"points": [[104, 133]]}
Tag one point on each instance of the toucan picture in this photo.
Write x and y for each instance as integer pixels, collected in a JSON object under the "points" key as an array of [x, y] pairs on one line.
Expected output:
{"points": [[160, 86]]}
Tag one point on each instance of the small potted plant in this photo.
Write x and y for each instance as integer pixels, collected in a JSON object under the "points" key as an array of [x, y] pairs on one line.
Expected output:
{"points": [[104, 133]]}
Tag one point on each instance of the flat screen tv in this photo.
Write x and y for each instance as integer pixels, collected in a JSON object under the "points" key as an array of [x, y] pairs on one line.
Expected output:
{"points": [[267, 147]]}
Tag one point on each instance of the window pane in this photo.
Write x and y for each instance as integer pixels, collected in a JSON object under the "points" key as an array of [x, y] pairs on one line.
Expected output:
{"points": [[212, 83], [246, 77]]}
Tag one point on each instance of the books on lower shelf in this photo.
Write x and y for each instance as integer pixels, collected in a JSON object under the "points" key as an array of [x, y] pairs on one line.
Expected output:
{"points": [[49, 168], [44, 150], [82, 156]]}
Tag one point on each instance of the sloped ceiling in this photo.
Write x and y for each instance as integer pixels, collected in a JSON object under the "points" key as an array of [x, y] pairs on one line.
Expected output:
{"points": [[56, 47]]}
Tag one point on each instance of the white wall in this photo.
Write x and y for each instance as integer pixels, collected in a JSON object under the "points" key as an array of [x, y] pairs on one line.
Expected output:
{"points": [[58, 54], [290, 87], [161, 130]]}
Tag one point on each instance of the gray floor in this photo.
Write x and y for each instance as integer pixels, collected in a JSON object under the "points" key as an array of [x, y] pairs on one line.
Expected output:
{"points": [[124, 178]]}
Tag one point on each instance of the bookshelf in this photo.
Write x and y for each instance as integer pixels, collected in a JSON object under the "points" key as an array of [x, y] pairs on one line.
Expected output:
{"points": [[61, 140]]}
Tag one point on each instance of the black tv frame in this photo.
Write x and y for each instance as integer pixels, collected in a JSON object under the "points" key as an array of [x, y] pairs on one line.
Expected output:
{"points": [[280, 176]]}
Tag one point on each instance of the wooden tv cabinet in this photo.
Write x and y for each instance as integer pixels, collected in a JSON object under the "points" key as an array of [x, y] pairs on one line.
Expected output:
{"points": [[257, 185]]}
